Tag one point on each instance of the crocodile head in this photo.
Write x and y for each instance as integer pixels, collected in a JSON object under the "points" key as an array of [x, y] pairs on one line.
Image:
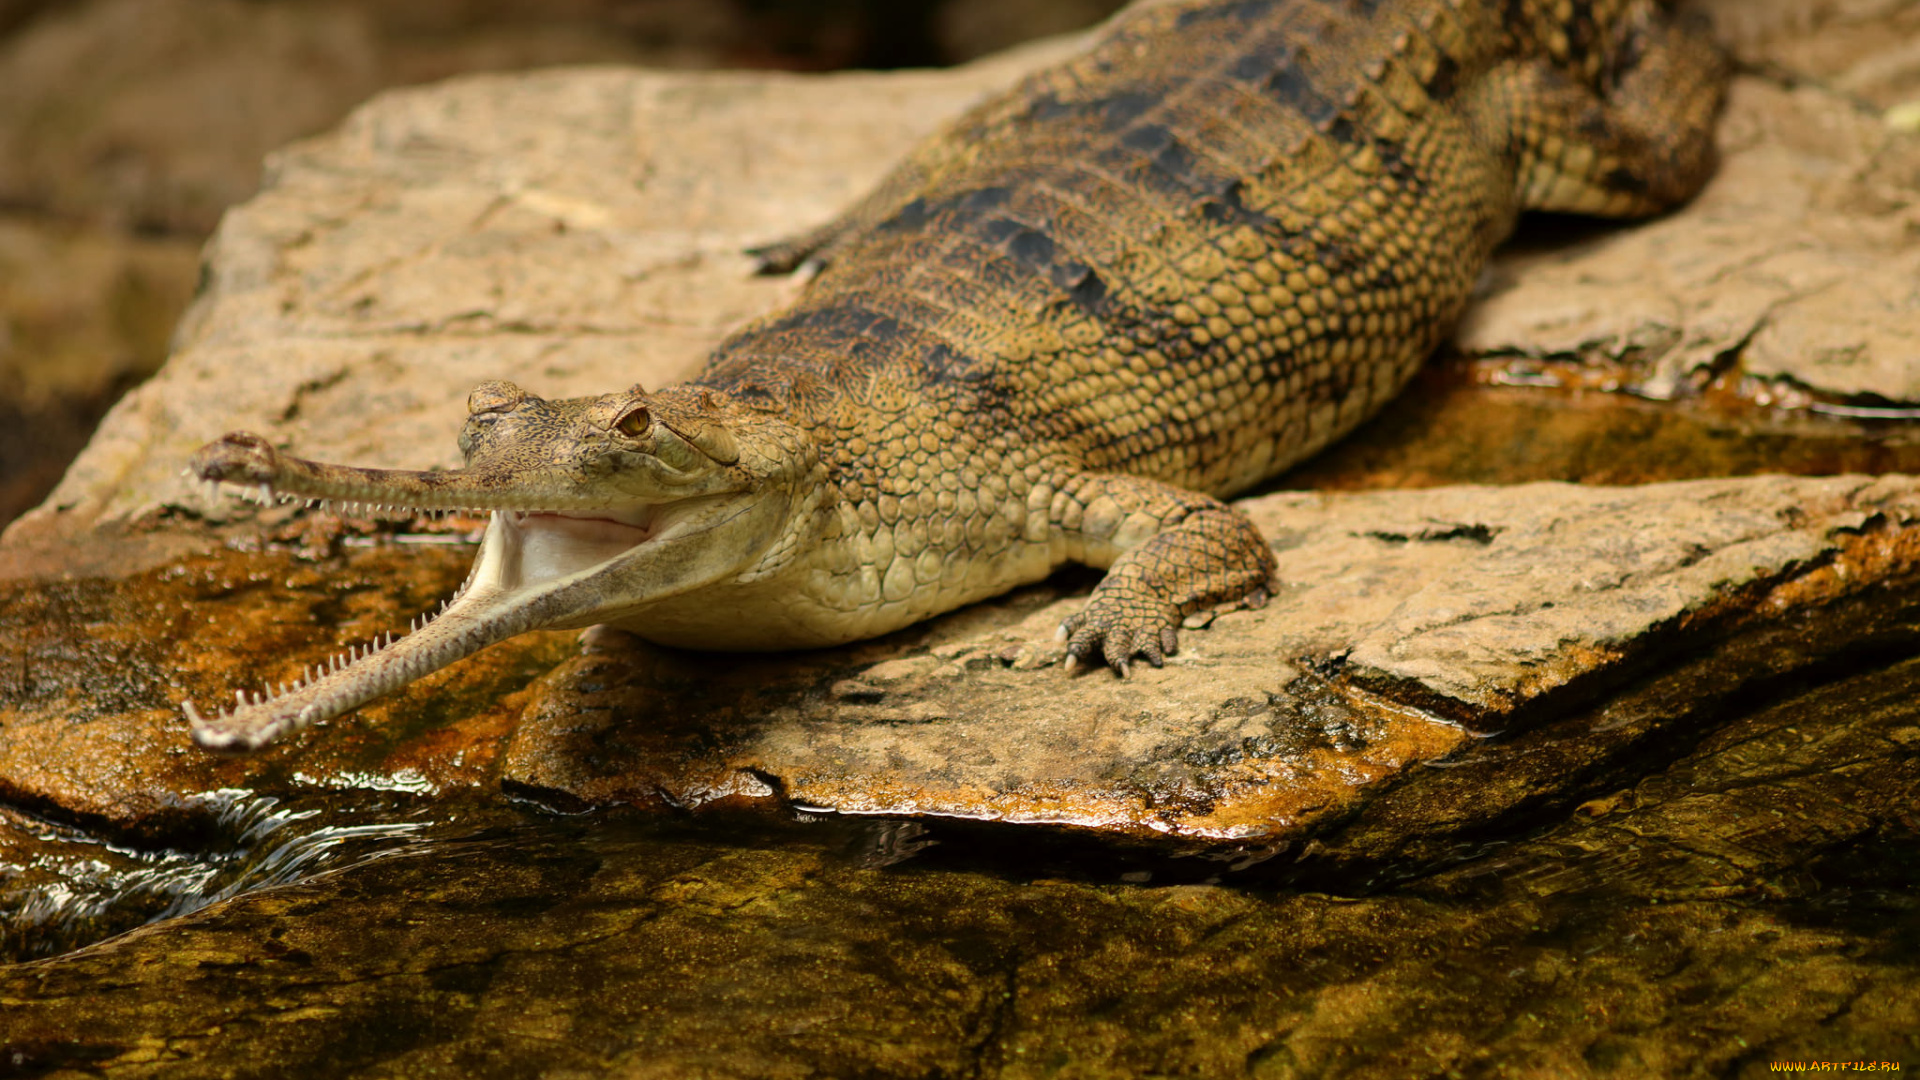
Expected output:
{"points": [[600, 507]]}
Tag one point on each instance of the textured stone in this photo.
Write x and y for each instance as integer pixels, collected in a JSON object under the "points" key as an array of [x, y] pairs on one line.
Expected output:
{"points": [[582, 229], [1409, 626], [1798, 264]]}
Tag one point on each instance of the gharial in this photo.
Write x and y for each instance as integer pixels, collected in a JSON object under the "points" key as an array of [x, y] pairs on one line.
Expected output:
{"points": [[1058, 332]]}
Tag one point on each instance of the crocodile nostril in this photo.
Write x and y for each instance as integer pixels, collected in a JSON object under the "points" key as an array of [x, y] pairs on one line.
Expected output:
{"points": [[494, 395]]}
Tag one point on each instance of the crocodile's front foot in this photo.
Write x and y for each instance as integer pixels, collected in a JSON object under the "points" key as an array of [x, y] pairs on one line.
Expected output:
{"points": [[1115, 627], [1120, 622], [1206, 554]]}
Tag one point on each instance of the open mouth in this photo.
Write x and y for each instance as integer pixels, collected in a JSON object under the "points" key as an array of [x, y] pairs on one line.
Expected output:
{"points": [[524, 578], [555, 558], [551, 544]]}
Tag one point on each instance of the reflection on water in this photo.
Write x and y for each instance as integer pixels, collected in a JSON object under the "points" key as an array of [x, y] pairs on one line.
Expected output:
{"points": [[1676, 933], [76, 888]]}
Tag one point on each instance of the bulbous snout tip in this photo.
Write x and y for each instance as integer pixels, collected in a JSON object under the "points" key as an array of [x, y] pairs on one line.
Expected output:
{"points": [[493, 396], [238, 457]]}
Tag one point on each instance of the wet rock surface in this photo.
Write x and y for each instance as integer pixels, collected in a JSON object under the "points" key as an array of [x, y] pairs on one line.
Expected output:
{"points": [[1750, 901], [1509, 778]]}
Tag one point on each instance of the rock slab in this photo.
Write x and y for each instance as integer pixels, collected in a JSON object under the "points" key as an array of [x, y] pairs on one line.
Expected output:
{"points": [[1410, 626]]}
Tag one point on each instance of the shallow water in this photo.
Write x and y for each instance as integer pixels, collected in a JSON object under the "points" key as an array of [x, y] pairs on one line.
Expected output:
{"points": [[78, 887]]}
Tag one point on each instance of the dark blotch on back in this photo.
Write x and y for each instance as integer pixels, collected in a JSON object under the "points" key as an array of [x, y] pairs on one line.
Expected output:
{"points": [[1246, 13]]}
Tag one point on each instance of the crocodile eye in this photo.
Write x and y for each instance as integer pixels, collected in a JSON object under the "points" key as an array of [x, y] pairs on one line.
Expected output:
{"points": [[635, 423]]}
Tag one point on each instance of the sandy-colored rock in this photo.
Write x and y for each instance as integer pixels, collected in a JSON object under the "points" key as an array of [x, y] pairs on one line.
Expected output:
{"points": [[1799, 262], [1866, 48], [576, 230], [1410, 626]]}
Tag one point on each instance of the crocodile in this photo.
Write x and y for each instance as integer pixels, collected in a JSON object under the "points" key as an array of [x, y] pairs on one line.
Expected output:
{"points": [[1061, 331]]}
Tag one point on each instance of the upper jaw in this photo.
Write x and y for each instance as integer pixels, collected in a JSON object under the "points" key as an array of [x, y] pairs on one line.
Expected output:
{"points": [[257, 469]]}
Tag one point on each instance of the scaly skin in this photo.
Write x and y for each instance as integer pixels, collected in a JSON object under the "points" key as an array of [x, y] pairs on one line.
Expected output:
{"points": [[1060, 332]]}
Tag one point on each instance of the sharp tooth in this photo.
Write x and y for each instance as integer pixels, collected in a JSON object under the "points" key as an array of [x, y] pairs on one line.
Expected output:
{"points": [[241, 697]]}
